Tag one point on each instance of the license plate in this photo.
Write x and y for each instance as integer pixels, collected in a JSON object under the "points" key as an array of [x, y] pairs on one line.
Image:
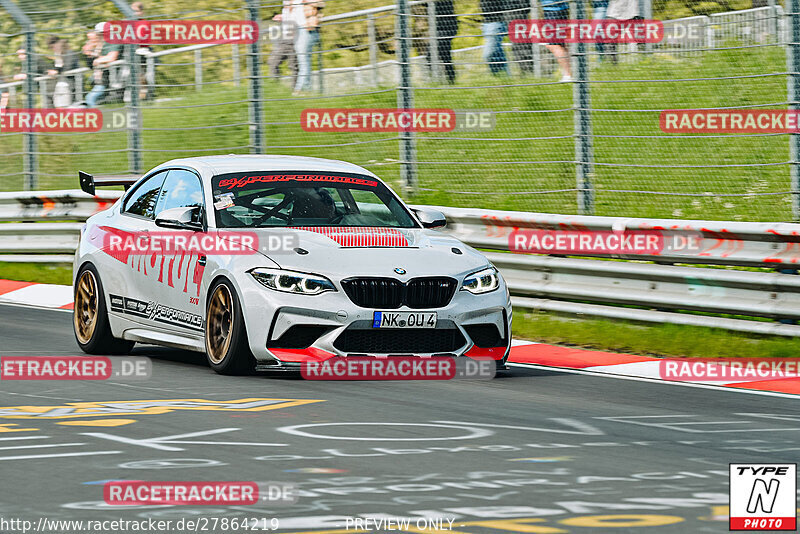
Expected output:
{"points": [[404, 320]]}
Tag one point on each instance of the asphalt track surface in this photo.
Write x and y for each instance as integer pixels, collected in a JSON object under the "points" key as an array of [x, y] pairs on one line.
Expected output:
{"points": [[530, 451]]}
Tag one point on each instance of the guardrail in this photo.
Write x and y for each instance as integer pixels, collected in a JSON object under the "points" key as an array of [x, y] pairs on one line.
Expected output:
{"points": [[668, 288]]}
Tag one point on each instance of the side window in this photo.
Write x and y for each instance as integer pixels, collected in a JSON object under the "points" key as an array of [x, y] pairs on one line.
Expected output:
{"points": [[181, 189], [370, 204], [143, 199]]}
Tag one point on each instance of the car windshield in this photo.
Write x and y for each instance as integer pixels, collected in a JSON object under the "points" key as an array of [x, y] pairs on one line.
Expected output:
{"points": [[303, 198]]}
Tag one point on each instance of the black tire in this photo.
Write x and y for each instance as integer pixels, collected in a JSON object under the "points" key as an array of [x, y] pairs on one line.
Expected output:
{"points": [[90, 316], [227, 348]]}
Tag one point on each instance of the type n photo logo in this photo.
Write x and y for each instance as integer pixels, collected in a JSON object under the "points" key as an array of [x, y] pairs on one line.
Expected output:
{"points": [[763, 497]]}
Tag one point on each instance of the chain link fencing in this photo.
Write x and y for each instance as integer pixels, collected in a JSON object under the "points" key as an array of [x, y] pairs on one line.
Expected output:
{"points": [[580, 135]]}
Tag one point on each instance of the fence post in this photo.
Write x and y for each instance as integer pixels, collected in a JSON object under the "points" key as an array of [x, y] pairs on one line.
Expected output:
{"points": [[30, 170], [405, 99], [373, 48], [793, 64], [134, 122], [433, 44], [257, 139], [584, 155], [133, 119]]}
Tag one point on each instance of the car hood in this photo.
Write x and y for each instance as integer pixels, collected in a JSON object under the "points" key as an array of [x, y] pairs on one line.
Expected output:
{"points": [[343, 252]]}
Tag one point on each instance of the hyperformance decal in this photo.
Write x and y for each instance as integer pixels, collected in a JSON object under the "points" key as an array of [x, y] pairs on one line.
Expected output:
{"points": [[156, 312]]}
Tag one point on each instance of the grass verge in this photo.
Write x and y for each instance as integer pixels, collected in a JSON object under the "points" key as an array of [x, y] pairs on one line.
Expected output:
{"points": [[44, 273], [649, 339]]}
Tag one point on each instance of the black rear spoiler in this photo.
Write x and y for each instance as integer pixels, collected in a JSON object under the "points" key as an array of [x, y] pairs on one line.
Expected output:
{"points": [[89, 182]]}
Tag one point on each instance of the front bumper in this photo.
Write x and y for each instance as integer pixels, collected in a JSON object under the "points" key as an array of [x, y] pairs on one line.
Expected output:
{"points": [[285, 329]]}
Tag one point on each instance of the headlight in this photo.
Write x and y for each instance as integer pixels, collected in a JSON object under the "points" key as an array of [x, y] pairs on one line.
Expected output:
{"points": [[292, 282], [483, 281]]}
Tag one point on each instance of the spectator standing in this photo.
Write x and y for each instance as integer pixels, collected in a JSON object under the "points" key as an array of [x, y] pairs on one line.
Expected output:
{"points": [[306, 14], [621, 10], [599, 10], [494, 29], [559, 10], [91, 49], [64, 60], [522, 52], [283, 47], [446, 30], [106, 54], [146, 81]]}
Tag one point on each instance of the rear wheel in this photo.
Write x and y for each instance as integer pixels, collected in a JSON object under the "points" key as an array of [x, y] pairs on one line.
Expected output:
{"points": [[90, 318], [227, 349]]}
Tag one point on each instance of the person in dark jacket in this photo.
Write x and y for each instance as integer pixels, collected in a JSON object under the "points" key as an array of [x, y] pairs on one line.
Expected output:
{"points": [[522, 52], [446, 30], [494, 30], [64, 60]]}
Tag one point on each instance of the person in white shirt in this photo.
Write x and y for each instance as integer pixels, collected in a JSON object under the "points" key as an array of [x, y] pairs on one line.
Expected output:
{"points": [[306, 14], [283, 46]]}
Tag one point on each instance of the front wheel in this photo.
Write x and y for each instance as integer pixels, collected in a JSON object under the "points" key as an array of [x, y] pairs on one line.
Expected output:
{"points": [[90, 318], [227, 349]]}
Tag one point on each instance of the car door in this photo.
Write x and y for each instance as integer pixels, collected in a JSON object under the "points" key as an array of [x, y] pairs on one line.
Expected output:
{"points": [[128, 278], [178, 274]]}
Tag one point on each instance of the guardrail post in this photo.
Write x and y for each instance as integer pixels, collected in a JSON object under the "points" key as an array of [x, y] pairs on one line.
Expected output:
{"points": [[584, 156], [151, 75], [793, 64], [320, 74], [774, 24], [257, 140], [30, 170], [373, 49], [237, 75], [133, 120], [405, 98], [536, 49], [646, 12], [198, 69]]}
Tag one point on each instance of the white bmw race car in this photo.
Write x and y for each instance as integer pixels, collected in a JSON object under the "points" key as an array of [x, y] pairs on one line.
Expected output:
{"points": [[266, 262]]}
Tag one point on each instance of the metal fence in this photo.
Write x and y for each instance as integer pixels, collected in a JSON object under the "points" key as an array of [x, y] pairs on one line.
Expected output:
{"points": [[589, 144]]}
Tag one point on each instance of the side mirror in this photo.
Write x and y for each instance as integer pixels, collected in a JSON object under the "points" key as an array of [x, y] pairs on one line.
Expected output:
{"points": [[430, 218], [179, 219]]}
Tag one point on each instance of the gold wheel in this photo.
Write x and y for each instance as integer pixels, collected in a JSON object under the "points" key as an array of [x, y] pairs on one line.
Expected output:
{"points": [[85, 314], [219, 324]]}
